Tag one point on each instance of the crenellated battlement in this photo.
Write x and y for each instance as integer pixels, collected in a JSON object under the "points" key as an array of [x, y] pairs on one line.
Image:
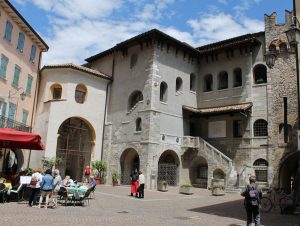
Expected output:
{"points": [[275, 32]]}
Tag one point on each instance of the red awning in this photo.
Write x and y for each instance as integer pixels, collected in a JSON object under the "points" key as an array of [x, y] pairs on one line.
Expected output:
{"points": [[10, 138]]}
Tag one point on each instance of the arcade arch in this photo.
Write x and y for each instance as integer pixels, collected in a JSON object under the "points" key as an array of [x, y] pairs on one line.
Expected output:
{"points": [[129, 161], [168, 167]]}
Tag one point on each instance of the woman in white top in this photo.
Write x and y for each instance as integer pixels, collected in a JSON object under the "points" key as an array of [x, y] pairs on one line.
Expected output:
{"points": [[36, 178]]}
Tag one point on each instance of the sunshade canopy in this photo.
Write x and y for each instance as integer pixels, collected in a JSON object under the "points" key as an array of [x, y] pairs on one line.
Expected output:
{"points": [[10, 138]]}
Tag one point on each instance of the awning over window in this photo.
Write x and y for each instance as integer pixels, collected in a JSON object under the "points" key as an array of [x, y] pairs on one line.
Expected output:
{"points": [[243, 108]]}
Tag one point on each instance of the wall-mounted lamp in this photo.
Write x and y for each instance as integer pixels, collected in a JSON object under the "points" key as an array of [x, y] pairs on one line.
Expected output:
{"points": [[270, 58], [22, 94], [293, 33]]}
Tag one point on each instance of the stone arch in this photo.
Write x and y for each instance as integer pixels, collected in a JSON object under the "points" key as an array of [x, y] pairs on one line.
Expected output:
{"points": [[129, 160], [168, 164], [288, 168], [198, 172], [75, 143], [218, 174]]}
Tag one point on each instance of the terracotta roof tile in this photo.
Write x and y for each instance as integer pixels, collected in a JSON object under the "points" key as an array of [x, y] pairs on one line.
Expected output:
{"points": [[219, 109], [79, 68]]}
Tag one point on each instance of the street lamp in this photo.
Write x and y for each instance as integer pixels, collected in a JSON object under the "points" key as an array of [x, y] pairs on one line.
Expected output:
{"points": [[270, 58], [22, 94]]}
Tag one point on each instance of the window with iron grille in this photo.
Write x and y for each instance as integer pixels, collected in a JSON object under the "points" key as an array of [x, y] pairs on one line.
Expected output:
{"points": [[260, 128], [261, 170]]}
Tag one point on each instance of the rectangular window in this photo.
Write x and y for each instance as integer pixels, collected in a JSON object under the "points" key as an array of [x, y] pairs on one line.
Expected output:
{"points": [[3, 109], [16, 76], [8, 31], [24, 117], [237, 128], [32, 53], [21, 42], [29, 84], [3, 66]]}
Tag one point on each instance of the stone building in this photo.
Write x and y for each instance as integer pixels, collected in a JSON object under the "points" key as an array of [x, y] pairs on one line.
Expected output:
{"points": [[179, 113], [21, 50], [187, 115]]}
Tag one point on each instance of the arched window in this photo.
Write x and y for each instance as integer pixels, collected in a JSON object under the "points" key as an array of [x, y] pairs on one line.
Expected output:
{"points": [[237, 77], [80, 93], [138, 124], [283, 47], [178, 84], [208, 83], [261, 170], [56, 91], [163, 92], [223, 80], [260, 128], [192, 82], [133, 60], [134, 98], [260, 74]]}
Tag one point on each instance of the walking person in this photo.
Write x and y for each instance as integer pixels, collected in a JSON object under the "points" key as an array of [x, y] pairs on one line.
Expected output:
{"points": [[36, 179], [87, 173], [134, 183], [46, 187], [141, 185], [252, 196]]}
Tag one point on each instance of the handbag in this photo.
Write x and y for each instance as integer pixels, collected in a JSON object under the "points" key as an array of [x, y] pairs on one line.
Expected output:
{"points": [[33, 181]]}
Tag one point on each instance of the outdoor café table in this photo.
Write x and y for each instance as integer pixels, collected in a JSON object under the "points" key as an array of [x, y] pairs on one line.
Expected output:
{"points": [[80, 190]]}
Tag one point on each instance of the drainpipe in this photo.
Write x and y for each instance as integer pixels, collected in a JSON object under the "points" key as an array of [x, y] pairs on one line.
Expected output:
{"points": [[36, 92], [106, 101]]}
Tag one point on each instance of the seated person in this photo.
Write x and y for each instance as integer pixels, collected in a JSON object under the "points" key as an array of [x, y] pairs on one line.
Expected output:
{"points": [[68, 182], [92, 182]]}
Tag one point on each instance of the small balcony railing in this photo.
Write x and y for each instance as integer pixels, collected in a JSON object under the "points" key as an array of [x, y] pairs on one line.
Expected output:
{"points": [[10, 123]]}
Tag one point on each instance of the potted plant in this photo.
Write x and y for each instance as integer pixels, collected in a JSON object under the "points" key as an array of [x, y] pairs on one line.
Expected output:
{"points": [[115, 178], [218, 189], [100, 168], [186, 189], [162, 185]]}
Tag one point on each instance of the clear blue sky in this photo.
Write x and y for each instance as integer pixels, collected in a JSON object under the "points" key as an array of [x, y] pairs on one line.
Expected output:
{"points": [[77, 29]]}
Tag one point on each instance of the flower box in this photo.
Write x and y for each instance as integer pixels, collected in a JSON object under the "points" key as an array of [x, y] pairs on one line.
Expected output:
{"points": [[162, 186], [187, 190]]}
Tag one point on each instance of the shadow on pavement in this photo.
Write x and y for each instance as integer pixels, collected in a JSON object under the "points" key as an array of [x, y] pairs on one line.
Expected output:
{"points": [[235, 209]]}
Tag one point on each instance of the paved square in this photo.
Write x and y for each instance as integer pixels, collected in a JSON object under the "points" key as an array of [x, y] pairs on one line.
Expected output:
{"points": [[114, 206]]}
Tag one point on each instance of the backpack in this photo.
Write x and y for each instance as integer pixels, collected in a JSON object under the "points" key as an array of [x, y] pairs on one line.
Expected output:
{"points": [[33, 181], [253, 196]]}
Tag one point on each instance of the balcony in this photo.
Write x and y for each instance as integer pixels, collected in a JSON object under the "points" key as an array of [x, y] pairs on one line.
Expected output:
{"points": [[10, 123]]}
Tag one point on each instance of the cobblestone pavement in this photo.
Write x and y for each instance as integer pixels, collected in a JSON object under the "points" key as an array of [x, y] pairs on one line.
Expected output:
{"points": [[114, 206]]}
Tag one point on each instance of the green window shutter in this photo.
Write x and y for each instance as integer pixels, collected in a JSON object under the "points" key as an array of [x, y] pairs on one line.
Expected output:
{"points": [[32, 53], [24, 117], [11, 111], [16, 76], [29, 84], [3, 110], [21, 41], [3, 66], [8, 31]]}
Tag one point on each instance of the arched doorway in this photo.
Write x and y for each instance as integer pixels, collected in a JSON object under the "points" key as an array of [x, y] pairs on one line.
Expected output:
{"points": [[129, 161], [168, 167], [74, 145], [199, 172], [288, 171]]}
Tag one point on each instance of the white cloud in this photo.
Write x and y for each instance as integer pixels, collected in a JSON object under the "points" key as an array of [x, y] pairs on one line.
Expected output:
{"points": [[215, 27], [225, 2]]}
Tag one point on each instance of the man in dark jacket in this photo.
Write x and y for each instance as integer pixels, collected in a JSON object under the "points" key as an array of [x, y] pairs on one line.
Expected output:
{"points": [[252, 196]]}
